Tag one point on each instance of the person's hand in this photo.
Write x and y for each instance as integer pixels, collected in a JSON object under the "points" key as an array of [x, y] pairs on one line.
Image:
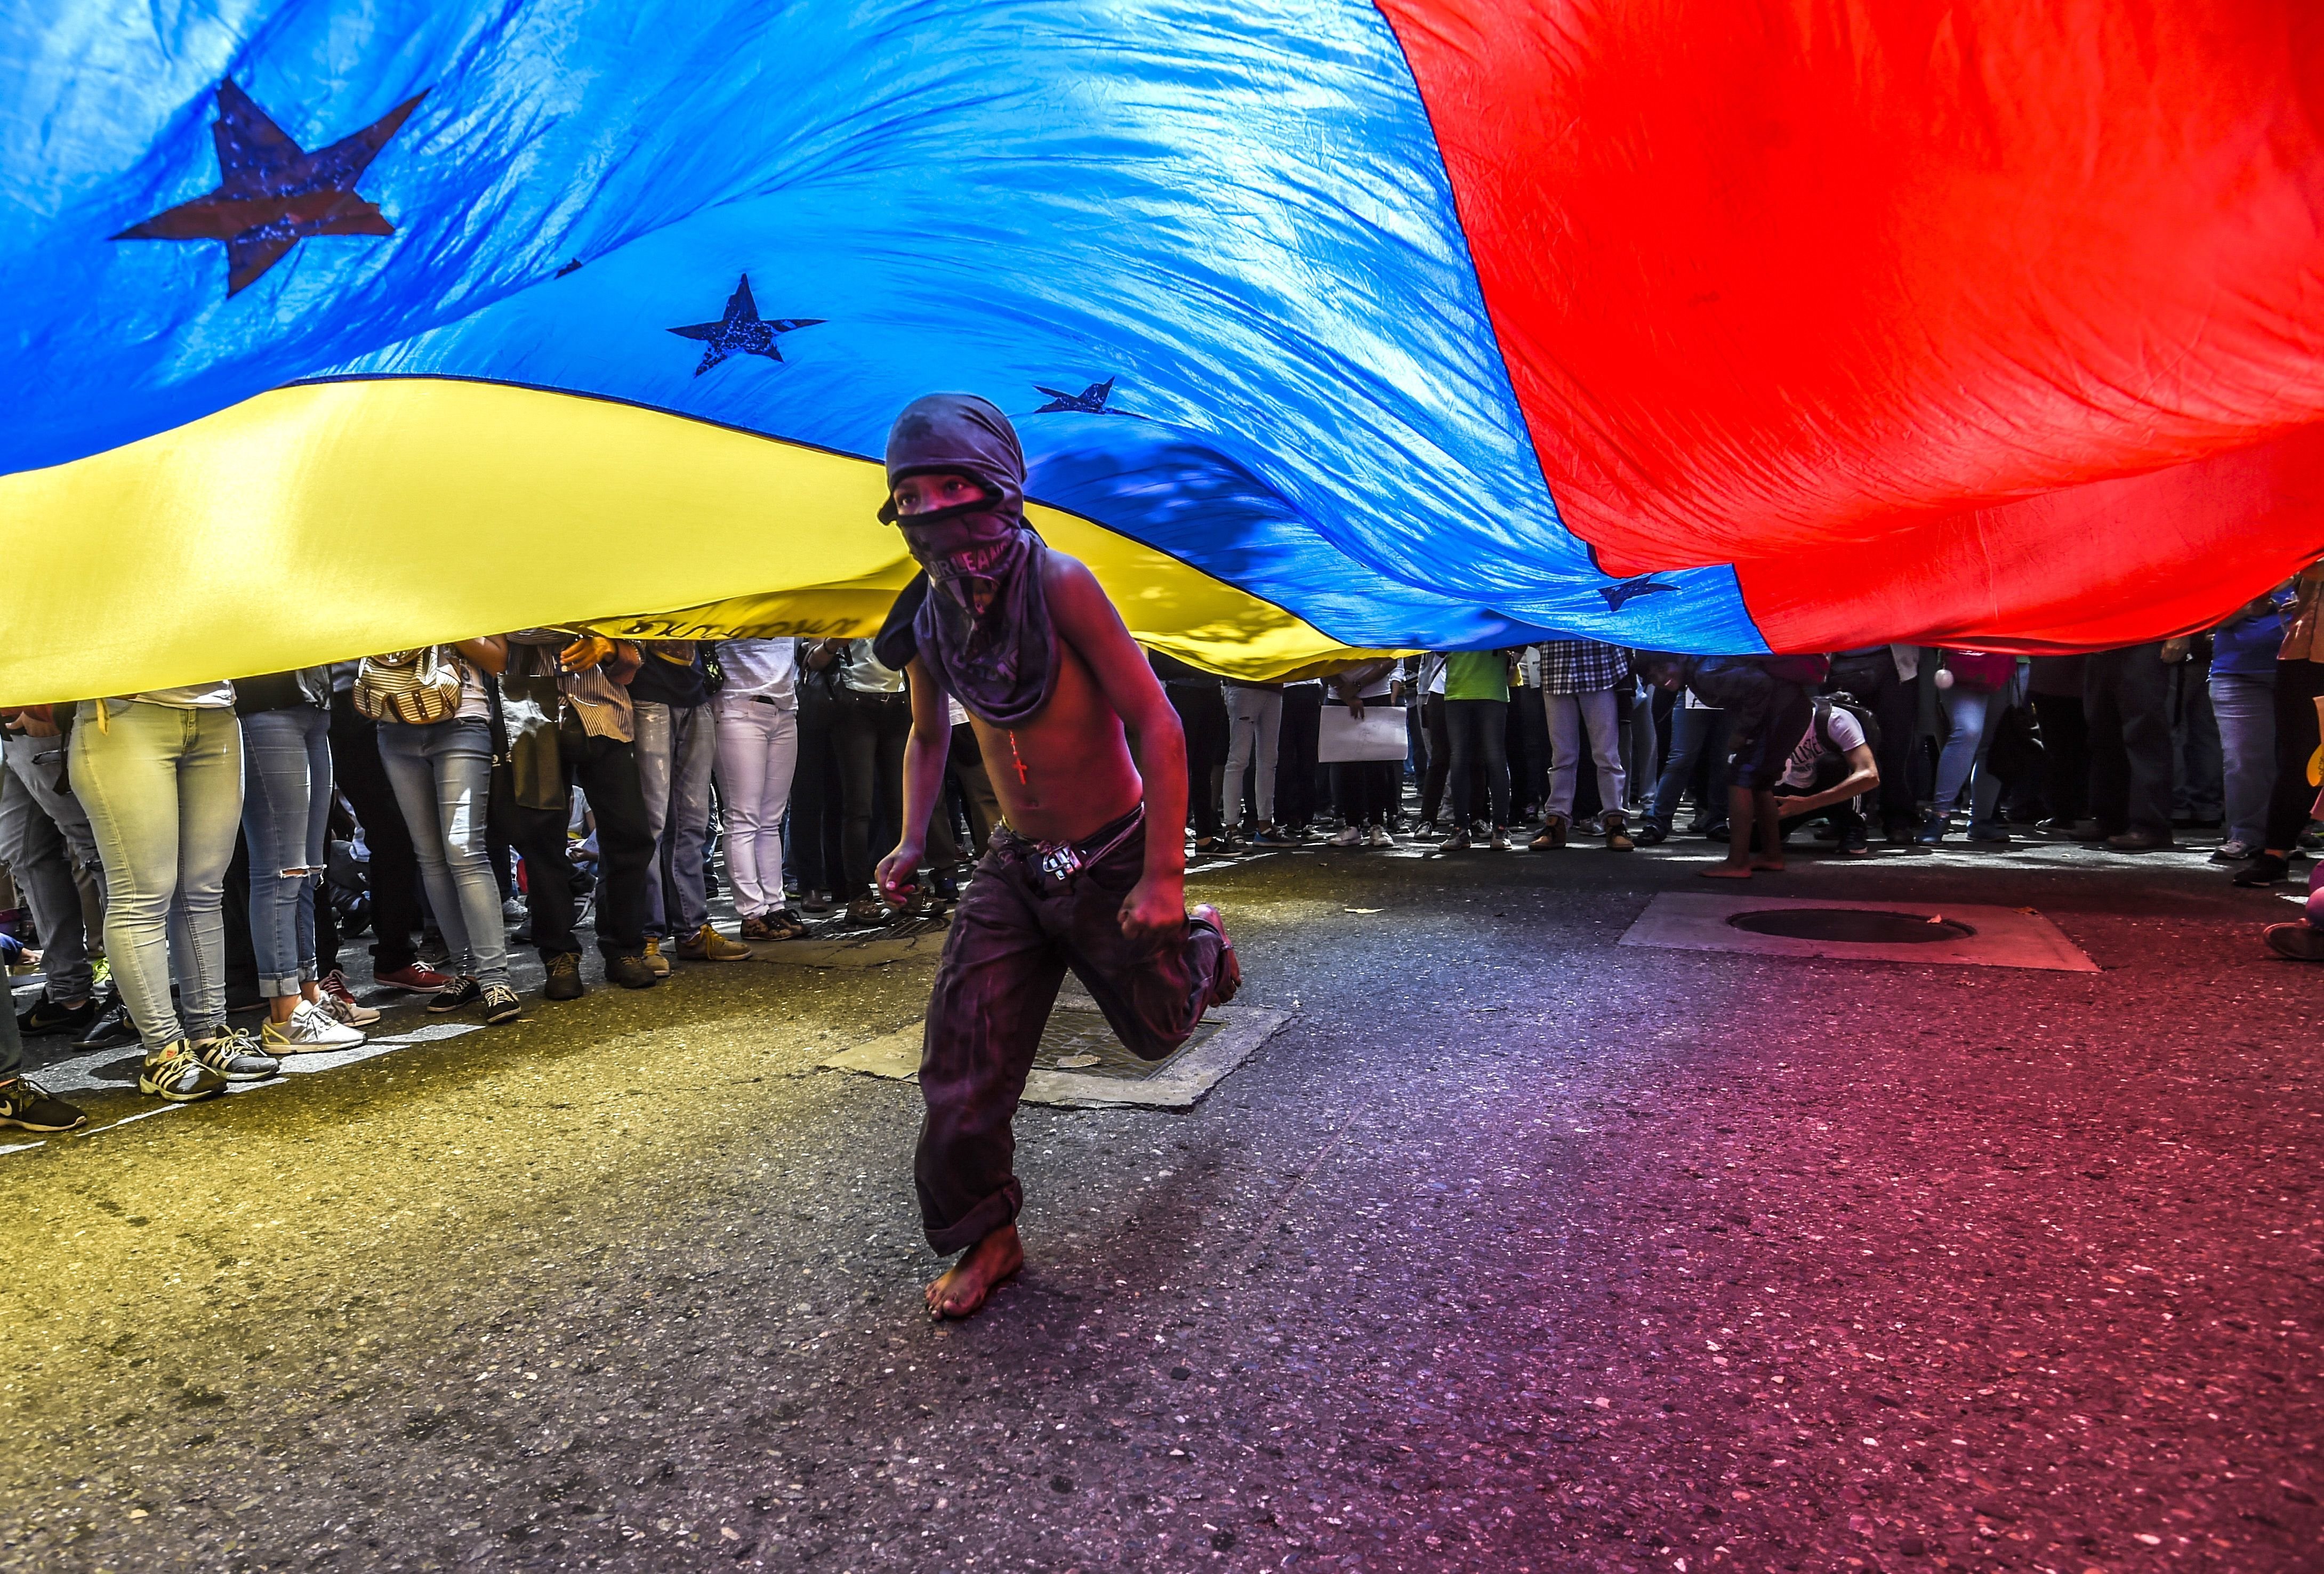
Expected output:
{"points": [[894, 875], [2177, 651], [587, 651], [1154, 910], [35, 723]]}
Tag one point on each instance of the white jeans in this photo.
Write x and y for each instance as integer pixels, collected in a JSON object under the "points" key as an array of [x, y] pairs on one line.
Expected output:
{"points": [[1568, 713], [1254, 721], [758, 749]]}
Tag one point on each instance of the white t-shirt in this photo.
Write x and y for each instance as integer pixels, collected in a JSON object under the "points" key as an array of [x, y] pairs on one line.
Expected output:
{"points": [[861, 671], [200, 697], [1847, 733], [756, 668]]}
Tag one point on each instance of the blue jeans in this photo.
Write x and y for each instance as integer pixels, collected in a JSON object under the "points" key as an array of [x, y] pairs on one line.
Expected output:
{"points": [[162, 785], [1975, 716], [1692, 732], [286, 816], [677, 746], [442, 776], [2244, 705]]}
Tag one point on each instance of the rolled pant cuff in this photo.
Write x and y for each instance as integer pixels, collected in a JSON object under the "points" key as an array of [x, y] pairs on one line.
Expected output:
{"points": [[980, 1221]]}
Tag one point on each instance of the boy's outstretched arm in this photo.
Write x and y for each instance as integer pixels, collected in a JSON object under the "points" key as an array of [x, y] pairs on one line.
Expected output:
{"points": [[1156, 908]]}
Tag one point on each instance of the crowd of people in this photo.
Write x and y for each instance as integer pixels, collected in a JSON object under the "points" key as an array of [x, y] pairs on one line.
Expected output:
{"points": [[182, 857]]}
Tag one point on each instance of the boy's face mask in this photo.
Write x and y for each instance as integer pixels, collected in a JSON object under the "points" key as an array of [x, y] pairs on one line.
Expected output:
{"points": [[966, 548]]}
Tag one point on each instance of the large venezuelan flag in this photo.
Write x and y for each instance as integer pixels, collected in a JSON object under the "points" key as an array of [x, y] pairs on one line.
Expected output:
{"points": [[1721, 325]]}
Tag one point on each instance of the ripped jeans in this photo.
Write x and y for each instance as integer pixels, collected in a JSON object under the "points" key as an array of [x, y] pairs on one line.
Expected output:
{"points": [[286, 816]]}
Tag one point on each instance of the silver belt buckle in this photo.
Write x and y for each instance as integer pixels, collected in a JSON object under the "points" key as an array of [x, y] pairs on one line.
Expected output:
{"points": [[1058, 861]]}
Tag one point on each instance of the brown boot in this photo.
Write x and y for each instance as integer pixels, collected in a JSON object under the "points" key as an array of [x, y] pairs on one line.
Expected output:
{"points": [[1552, 833], [1617, 834]]}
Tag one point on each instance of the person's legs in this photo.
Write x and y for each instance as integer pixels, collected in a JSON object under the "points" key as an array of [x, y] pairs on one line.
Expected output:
{"points": [[2197, 757], [656, 747], [1528, 750], [1599, 712], [540, 837], [404, 755], [1242, 743], [855, 736], [1152, 996], [1774, 724], [1462, 723], [994, 985], [1439, 758], [815, 808], [459, 755], [1985, 784], [2145, 701], [1691, 733], [1202, 713], [1966, 709], [1267, 720], [2065, 757], [606, 771], [746, 757], [125, 775], [1351, 792], [893, 730], [1641, 766], [209, 772], [276, 804], [395, 870], [1563, 715], [2109, 760], [2290, 798], [686, 831], [316, 726], [36, 851], [2244, 705], [1493, 726]]}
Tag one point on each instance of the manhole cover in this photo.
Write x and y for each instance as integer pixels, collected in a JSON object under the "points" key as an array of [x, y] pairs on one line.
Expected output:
{"points": [[1860, 926]]}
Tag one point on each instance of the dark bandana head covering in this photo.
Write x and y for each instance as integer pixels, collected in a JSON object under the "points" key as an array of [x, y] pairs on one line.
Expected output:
{"points": [[1001, 664]]}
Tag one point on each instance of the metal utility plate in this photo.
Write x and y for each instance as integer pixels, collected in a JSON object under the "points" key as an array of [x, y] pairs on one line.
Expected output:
{"points": [[1225, 1038], [868, 948], [2003, 937]]}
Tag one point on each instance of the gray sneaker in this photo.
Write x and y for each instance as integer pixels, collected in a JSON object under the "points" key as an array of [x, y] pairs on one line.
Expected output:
{"points": [[235, 1056], [173, 1073]]}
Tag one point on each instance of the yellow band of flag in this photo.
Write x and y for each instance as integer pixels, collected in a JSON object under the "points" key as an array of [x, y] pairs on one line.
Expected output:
{"points": [[328, 521]]}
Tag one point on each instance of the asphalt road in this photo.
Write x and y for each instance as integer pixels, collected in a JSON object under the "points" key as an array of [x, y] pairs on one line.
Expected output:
{"points": [[1514, 1250]]}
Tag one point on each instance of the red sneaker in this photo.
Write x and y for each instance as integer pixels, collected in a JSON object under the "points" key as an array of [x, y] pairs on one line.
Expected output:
{"points": [[417, 976]]}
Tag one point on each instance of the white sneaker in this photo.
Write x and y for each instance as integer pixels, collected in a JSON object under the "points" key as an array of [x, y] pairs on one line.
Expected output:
{"points": [[1500, 841], [1352, 836], [1378, 837], [311, 1029]]}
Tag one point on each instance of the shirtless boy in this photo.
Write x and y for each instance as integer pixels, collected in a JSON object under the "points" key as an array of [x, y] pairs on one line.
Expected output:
{"points": [[1083, 748]]}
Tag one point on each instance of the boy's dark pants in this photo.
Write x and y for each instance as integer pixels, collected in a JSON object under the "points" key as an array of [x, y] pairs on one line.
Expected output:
{"points": [[1013, 936]]}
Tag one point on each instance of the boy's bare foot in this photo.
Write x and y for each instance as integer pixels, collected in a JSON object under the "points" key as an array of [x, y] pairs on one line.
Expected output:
{"points": [[961, 1288], [1772, 865], [1229, 974], [1726, 871]]}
